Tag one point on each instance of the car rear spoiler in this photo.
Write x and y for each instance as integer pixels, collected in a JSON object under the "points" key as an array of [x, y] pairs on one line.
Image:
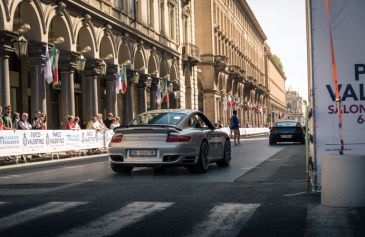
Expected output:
{"points": [[145, 126]]}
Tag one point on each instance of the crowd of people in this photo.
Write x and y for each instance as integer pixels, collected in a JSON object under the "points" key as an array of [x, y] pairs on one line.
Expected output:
{"points": [[13, 121]]}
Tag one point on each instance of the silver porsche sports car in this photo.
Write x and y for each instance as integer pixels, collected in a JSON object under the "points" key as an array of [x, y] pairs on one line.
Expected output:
{"points": [[162, 138]]}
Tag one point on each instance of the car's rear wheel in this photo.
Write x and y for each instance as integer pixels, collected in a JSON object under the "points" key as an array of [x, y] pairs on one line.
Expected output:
{"points": [[121, 168], [203, 161], [226, 160]]}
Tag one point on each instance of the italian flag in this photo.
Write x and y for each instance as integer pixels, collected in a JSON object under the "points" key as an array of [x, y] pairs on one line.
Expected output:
{"points": [[123, 78], [54, 64], [165, 92]]}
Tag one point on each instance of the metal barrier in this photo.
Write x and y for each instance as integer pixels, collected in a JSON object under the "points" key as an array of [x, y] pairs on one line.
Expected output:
{"points": [[248, 131]]}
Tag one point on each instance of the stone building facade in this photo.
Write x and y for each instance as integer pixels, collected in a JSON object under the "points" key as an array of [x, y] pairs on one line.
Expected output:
{"points": [[295, 106], [275, 78], [153, 39], [232, 71]]}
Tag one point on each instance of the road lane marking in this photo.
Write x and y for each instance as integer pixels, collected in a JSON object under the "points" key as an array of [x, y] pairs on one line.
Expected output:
{"points": [[32, 191], [328, 221], [225, 220], [2, 203], [36, 212], [113, 222]]}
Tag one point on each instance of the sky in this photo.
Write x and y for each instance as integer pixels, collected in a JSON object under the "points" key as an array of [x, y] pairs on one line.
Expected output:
{"points": [[284, 24]]}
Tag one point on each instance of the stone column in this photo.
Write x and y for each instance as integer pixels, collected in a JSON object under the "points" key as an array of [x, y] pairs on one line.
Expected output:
{"points": [[90, 96], [5, 50], [67, 64], [4, 79], [111, 93], [36, 55], [153, 93]]}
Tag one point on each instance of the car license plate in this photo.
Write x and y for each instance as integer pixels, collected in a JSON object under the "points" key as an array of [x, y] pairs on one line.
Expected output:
{"points": [[143, 153], [286, 136]]}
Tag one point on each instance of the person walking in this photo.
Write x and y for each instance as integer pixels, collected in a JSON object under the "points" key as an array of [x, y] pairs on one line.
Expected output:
{"points": [[235, 127]]}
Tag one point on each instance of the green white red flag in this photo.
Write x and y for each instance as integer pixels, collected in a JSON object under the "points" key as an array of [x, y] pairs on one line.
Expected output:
{"points": [[123, 79], [54, 64], [165, 92]]}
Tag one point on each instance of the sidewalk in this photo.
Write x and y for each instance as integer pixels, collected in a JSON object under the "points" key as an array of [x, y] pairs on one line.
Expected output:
{"points": [[290, 210]]}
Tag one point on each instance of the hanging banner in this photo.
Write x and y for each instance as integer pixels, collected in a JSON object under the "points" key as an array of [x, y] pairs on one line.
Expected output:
{"points": [[348, 34]]}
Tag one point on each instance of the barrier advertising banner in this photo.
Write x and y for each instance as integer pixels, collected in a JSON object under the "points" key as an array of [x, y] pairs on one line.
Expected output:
{"points": [[346, 23], [18, 142]]}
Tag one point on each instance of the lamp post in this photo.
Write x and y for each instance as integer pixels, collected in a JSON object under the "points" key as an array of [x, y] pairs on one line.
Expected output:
{"points": [[102, 67], [135, 77], [80, 63], [20, 46]]}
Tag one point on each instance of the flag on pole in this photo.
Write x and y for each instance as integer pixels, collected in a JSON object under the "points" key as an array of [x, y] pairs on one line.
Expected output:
{"points": [[165, 92], [47, 67], [118, 82], [123, 79], [158, 93], [54, 62]]}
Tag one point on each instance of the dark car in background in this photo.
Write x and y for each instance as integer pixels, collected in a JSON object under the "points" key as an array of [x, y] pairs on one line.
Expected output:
{"points": [[287, 131]]}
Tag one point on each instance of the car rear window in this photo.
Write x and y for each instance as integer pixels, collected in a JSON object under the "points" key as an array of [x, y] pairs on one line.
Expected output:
{"points": [[286, 124], [158, 119]]}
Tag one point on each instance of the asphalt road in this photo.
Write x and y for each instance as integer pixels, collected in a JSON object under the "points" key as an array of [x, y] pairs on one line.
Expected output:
{"points": [[262, 193]]}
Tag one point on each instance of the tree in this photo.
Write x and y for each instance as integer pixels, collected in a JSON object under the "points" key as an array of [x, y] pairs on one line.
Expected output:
{"points": [[278, 62]]}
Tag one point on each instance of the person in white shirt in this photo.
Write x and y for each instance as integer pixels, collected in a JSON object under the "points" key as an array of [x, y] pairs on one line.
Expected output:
{"points": [[23, 123]]}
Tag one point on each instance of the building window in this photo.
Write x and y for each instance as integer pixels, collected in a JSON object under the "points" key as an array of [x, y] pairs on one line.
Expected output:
{"points": [[172, 21], [152, 13]]}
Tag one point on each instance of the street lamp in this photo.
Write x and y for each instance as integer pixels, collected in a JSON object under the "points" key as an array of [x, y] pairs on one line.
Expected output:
{"points": [[102, 67], [80, 62], [148, 81], [135, 77], [20, 46], [171, 87]]}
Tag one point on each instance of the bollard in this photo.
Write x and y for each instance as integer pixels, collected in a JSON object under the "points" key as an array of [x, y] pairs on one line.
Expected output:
{"points": [[343, 181]]}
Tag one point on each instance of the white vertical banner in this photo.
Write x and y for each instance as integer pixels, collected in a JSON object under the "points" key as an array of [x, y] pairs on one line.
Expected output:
{"points": [[348, 32]]}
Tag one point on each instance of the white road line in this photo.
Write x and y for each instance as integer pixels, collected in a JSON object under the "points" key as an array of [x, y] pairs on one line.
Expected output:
{"points": [[225, 220], [32, 191], [2, 203], [115, 221], [36, 212], [327, 221]]}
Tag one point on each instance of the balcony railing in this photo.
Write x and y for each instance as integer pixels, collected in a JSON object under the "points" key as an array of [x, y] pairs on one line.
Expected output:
{"points": [[191, 53]]}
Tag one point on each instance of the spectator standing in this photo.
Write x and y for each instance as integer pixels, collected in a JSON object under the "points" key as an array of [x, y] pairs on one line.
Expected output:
{"points": [[2, 126], [114, 123], [36, 123], [101, 122], [117, 123], [235, 127], [15, 120], [108, 120], [23, 123], [43, 121], [70, 122], [7, 119], [76, 123]]}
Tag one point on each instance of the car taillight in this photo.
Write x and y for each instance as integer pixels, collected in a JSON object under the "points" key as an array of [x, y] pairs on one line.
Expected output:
{"points": [[300, 130], [273, 130], [177, 138], [117, 138]]}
